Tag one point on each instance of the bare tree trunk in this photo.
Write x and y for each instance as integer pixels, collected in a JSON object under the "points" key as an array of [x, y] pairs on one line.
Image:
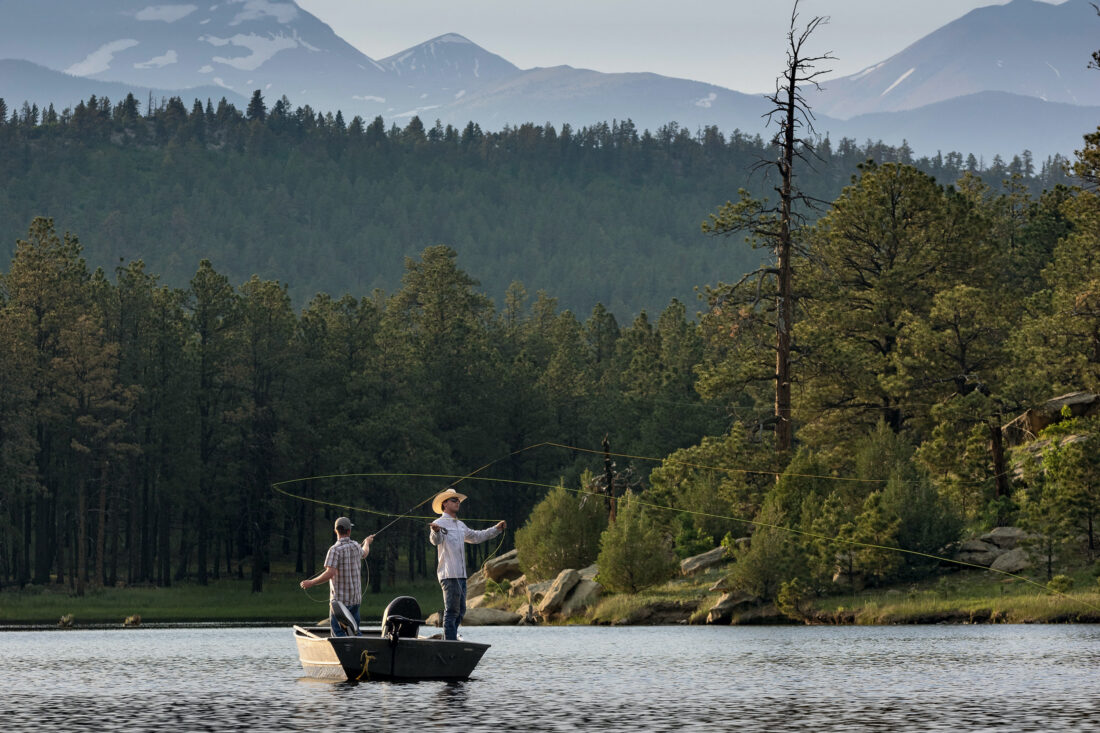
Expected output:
{"points": [[783, 431], [81, 538], [101, 528], [1000, 475]]}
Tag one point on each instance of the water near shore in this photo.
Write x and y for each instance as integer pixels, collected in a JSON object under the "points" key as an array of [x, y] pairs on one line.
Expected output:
{"points": [[926, 678]]}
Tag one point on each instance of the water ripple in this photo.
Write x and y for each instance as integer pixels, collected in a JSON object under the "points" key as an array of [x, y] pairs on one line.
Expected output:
{"points": [[682, 679]]}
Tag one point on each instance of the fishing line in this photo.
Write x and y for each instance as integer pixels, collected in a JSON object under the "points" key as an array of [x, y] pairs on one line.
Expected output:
{"points": [[839, 540]]}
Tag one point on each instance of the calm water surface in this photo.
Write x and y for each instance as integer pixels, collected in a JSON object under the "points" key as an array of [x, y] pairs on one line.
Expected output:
{"points": [[915, 678]]}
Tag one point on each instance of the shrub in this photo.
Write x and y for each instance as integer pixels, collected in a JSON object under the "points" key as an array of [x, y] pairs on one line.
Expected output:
{"points": [[691, 541], [794, 601], [634, 554], [562, 532], [1060, 584]]}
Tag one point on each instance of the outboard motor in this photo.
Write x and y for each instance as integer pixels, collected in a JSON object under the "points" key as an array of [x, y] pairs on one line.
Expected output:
{"points": [[343, 617], [401, 619]]}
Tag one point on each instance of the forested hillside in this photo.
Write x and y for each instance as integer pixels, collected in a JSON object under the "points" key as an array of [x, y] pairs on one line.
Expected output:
{"points": [[145, 425], [605, 214]]}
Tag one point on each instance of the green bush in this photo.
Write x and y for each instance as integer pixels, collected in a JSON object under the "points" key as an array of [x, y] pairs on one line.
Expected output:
{"points": [[634, 553], [691, 541], [562, 532], [1060, 584], [794, 600]]}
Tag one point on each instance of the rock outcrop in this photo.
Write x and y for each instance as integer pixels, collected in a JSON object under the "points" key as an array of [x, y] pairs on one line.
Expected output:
{"points": [[708, 559], [1012, 561], [490, 617], [505, 567], [730, 604], [584, 594], [989, 549], [552, 602]]}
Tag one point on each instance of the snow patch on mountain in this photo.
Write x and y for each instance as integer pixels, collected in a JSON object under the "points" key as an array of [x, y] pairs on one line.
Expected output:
{"points": [[901, 78], [707, 101], [868, 70], [260, 49], [165, 13], [257, 9], [157, 62], [100, 59]]}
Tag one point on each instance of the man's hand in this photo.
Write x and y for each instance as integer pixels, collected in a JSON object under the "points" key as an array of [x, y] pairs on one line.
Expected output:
{"points": [[367, 542], [501, 525], [305, 584], [435, 527]]}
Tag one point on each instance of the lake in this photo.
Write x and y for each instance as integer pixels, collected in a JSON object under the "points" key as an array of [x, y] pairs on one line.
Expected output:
{"points": [[882, 678]]}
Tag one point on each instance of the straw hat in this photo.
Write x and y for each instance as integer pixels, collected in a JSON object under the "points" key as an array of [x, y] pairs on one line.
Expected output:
{"points": [[442, 496]]}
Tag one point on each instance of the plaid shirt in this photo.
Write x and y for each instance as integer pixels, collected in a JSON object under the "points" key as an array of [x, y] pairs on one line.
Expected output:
{"points": [[347, 587]]}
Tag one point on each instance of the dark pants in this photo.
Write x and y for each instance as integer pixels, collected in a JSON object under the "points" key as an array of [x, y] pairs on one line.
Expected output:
{"points": [[337, 629], [454, 605]]}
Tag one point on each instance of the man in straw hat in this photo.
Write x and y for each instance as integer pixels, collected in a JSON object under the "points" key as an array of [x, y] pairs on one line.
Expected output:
{"points": [[342, 571], [449, 535]]}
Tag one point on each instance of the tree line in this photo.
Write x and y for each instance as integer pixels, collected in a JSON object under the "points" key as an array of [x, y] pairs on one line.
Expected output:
{"points": [[145, 426], [925, 318], [604, 212]]}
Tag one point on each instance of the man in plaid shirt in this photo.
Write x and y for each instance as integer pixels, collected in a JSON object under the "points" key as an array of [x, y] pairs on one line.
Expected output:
{"points": [[342, 571]]}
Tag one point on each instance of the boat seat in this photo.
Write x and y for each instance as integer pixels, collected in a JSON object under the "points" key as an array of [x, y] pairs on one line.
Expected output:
{"points": [[402, 618], [344, 618]]}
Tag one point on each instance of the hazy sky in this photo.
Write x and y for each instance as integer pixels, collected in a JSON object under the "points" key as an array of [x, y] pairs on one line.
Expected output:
{"points": [[737, 44]]}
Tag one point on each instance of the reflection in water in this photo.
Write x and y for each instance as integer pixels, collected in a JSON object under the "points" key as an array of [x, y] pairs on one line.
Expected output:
{"points": [[930, 678]]}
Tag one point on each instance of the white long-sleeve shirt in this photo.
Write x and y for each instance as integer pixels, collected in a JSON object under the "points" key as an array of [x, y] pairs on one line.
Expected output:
{"points": [[450, 546]]}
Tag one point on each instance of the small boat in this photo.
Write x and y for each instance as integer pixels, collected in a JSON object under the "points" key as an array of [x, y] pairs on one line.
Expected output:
{"points": [[395, 651]]}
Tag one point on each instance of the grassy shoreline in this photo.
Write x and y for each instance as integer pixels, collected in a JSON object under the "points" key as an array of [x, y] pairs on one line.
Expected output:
{"points": [[959, 598], [220, 601]]}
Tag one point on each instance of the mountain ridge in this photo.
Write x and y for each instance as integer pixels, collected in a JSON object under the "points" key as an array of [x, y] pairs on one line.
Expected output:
{"points": [[239, 46]]}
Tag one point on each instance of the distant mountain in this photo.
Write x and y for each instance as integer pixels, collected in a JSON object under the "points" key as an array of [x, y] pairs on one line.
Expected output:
{"points": [[584, 96], [24, 81], [985, 124], [1028, 48], [237, 45], [935, 94]]}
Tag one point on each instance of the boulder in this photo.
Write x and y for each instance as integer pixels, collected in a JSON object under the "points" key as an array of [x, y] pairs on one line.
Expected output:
{"points": [[978, 552], [985, 559], [436, 619], [505, 567], [728, 605], [589, 573], [977, 546], [1005, 538], [518, 586], [555, 596], [475, 584], [699, 563], [584, 594], [721, 585], [490, 617], [1012, 561], [536, 591], [1027, 426], [477, 601]]}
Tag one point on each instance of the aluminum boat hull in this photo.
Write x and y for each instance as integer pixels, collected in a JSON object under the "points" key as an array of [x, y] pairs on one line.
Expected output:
{"points": [[372, 656]]}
